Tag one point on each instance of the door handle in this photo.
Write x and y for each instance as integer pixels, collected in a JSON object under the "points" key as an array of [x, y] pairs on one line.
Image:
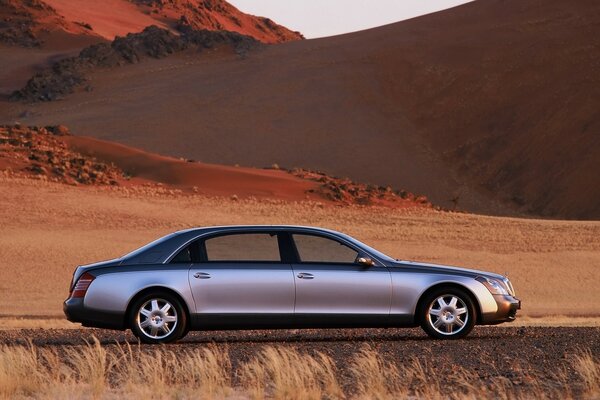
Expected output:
{"points": [[202, 275], [305, 275]]}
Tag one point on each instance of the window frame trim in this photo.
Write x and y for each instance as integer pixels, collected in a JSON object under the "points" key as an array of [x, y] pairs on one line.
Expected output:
{"points": [[286, 232], [203, 256], [360, 252]]}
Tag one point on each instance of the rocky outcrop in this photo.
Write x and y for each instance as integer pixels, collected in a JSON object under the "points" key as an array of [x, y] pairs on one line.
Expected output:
{"points": [[219, 15], [153, 42], [348, 192], [19, 21], [40, 152]]}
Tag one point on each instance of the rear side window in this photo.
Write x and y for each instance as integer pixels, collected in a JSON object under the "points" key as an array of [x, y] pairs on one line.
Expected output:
{"points": [[317, 249], [184, 256], [247, 247]]}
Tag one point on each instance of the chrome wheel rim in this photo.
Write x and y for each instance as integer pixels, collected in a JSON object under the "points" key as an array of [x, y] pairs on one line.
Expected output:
{"points": [[448, 314], [157, 318]]}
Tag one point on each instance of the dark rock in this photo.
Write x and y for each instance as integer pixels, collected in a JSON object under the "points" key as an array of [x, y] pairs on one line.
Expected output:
{"points": [[66, 75], [58, 130]]}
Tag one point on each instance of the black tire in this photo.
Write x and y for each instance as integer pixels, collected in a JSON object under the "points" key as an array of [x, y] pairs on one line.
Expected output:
{"points": [[456, 313], [161, 324]]}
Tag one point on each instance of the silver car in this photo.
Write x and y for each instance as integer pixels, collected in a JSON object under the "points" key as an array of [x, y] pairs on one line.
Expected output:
{"points": [[252, 277]]}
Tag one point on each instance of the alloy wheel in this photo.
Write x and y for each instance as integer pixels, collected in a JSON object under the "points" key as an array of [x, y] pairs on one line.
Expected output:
{"points": [[448, 314], [157, 318]]}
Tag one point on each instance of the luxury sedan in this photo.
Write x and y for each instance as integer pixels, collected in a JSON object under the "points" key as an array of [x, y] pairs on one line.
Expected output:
{"points": [[252, 277]]}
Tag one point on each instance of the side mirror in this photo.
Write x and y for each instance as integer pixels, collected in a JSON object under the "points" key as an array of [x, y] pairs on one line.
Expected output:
{"points": [[365, 261]]}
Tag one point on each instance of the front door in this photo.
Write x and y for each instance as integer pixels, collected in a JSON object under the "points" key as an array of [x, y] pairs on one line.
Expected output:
{"points": [[241, 280], [331, 286]]}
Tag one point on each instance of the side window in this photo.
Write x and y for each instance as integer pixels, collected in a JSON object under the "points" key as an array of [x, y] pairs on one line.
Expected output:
{"points": [[184, 256], [320, 249], [247, 247]]}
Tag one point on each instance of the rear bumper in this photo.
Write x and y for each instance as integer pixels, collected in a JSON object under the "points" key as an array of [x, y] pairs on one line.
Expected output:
{"points": [[75, 311], [507, 310]]}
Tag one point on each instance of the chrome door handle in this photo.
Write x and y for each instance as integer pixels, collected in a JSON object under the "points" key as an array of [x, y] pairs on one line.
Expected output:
{"points": [[305, 275], [202, 275]]}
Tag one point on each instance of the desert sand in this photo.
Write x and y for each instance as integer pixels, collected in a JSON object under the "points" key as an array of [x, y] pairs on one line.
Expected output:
{"points": [[49, 228]]}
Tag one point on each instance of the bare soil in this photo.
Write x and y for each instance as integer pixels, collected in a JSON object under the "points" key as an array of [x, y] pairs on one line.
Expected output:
{"points": [[50, 228]]}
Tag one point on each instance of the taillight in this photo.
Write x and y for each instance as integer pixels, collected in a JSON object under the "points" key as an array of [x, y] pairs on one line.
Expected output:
{"points": [[82, 285]]}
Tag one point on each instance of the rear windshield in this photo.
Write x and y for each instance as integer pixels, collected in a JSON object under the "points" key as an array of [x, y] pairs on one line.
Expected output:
{"points": [[142, 249]]}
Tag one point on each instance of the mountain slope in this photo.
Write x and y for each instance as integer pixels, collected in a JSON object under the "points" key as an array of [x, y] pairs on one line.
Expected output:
{"points": [[216, 15], [491, 106], [32, 23]]}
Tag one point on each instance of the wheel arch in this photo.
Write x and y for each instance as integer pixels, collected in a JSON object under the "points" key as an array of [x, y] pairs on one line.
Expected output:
{"points": [[152, 289], [453, 285]]}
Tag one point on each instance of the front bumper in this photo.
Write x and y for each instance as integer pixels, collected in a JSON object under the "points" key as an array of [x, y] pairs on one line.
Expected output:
{"points": [[75, 311], [506, 312]]}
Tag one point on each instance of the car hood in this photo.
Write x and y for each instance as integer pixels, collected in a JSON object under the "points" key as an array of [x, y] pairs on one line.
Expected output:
{"points": [[448, 269]]}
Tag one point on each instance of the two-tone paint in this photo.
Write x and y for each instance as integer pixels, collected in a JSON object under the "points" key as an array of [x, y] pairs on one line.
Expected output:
{"points": [[278, 295]]}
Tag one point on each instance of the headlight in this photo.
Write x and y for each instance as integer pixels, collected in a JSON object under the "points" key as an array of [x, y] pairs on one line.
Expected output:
{"points": [[495, 286]]}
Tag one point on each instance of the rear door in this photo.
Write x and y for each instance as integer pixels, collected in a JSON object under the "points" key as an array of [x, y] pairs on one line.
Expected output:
{"points": [[329, 282], [242, 274]]}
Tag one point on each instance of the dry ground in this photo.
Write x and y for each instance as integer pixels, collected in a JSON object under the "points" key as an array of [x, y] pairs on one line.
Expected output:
{"points": [[493, 362], [48, 229]]}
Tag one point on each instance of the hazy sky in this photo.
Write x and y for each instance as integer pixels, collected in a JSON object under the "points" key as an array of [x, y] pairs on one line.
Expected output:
{"points": [[318, 18]]}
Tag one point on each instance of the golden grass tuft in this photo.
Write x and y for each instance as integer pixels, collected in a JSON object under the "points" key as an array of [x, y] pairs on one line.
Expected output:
{"points": [[282, 373], [589, 371], [18, 371], [163, 374], [99, 372]]}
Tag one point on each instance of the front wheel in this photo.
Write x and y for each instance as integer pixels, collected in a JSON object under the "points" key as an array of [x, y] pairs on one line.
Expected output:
{"points": [[158, 318], [447, 313]]}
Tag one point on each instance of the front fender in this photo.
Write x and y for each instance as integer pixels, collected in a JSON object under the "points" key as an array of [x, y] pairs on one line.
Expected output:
{"points": [[409, 287]]}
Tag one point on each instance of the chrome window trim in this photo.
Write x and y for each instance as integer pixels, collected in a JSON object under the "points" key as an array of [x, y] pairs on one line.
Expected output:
{"points": [[330, 235], [289, 229]]}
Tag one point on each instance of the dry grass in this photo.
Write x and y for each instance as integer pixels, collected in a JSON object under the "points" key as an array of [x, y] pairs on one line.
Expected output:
{"points": [[589, 370], [557, 320], [282, 373], [93, 371], [47, 229]]}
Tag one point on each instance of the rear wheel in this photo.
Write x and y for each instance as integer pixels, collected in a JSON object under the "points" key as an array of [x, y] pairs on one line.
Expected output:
{"points": [[447, 313], [158, 317]]}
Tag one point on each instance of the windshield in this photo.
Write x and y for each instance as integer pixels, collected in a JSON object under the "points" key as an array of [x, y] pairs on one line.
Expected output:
{"points": [[368, 248]]}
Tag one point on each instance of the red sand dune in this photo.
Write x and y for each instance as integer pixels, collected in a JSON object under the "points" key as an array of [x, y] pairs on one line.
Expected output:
{"points": [[492, 105], [210, 179]]}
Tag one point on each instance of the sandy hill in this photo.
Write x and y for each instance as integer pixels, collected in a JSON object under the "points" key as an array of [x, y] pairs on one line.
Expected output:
{"points": [[33, 23], [491, 105], [52, 154]]}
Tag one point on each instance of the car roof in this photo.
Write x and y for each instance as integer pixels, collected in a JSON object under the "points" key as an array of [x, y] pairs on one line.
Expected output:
{"points": [[255, 227], [162, 249]]}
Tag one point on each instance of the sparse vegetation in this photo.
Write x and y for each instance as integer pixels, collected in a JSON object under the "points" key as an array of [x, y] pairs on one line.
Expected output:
{"points": [[116, 371], [71, 225]]}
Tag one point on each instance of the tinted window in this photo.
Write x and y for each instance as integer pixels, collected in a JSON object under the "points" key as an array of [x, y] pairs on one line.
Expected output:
{"points": [[243, 247], [183, 257], [320, 249]]}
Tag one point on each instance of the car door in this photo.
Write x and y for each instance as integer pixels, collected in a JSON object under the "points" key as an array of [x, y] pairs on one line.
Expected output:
{"points": [[330, 282], [241, 274]]}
